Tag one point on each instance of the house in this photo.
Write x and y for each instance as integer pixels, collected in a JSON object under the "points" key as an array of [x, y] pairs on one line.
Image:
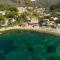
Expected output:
{"points": [[58, 13], [34, 21], [58, 26], [28, 19], [54, 18], [46, 16], [21, 10], [52, 24], [11, 20], [45, 22], [29, 8], [40, 11]]}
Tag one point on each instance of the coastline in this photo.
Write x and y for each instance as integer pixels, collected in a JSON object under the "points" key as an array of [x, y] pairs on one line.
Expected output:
{"points": [[43, 30]]}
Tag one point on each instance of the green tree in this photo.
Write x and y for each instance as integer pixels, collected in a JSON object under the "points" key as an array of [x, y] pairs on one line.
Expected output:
{"points": [[13, 8], [27, 3], [24, 15], [2, 7], [52, 8], [12, 15], [1, 17], [40, 20], [19, 20], [55, 7]]}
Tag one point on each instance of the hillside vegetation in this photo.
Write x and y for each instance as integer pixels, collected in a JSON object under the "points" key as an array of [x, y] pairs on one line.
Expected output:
{"points": [[43, 2]]}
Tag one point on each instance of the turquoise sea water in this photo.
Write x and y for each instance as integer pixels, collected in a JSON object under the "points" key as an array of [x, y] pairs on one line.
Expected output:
{"points": [[29, 45]]}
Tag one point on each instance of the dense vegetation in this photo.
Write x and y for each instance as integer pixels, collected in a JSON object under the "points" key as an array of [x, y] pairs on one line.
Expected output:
{"points": [[11, 12], [55, 7]]}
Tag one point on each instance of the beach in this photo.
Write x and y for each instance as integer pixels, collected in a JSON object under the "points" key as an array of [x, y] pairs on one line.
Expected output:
{"points": [[40, 29]]}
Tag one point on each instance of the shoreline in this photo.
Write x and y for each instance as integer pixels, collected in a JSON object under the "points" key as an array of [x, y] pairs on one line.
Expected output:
{"points": [[43, 30]]}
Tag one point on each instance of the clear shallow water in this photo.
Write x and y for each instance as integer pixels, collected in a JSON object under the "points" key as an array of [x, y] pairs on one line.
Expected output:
{"points": [[29, 45]]}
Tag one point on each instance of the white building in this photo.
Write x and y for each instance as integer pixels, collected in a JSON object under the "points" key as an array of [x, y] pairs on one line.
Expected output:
{"points": [[2, 12]]}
